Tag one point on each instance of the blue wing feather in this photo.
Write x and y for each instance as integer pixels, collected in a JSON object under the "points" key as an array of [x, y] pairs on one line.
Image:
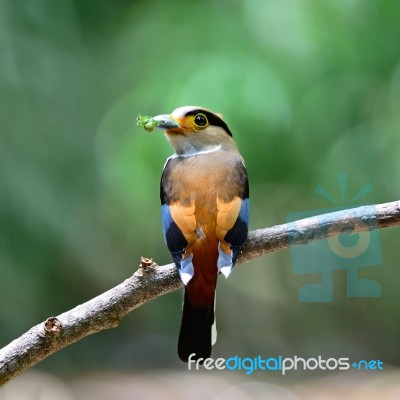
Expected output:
{"points": [[176, 244], [173, 236], [237, 235]]}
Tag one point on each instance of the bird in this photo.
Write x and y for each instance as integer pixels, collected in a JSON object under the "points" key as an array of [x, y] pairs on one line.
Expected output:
{"points": [[204, 194]]}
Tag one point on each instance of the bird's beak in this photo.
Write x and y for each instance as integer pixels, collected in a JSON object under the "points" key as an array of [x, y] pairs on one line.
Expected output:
{"points": [[166, 122]]}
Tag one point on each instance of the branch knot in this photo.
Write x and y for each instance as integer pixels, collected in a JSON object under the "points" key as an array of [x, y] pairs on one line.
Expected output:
{"points": [[53, 326]]}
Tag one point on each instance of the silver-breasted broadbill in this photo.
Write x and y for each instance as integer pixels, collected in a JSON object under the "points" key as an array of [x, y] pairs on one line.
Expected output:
{"points": [[205, 211]]}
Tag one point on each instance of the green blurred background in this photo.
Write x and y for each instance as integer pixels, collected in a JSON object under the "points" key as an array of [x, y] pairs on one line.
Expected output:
{"points": [[310, 89]]}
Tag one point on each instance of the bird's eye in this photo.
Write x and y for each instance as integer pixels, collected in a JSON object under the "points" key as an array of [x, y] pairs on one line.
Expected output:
{"points": [[200, 120]]}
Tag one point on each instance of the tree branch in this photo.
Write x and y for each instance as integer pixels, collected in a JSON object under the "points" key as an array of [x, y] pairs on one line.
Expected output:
{"points": [[150, 281]]}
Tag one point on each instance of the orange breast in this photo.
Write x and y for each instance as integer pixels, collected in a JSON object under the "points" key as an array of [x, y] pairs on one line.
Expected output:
{"points": [[196, 188]]}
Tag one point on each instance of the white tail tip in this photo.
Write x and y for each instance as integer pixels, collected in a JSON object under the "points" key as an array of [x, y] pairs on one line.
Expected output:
{"points": [[226, 271], [185, 277]]}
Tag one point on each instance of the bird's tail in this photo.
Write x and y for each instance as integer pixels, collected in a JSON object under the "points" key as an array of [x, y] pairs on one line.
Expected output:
{"points": [[195, 336]]}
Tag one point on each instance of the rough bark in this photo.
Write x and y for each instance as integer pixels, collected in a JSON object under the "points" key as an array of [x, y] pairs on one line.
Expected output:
{"points": [[151, 280]]}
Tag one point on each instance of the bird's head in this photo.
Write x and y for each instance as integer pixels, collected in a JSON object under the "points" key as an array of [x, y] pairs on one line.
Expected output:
{"points": [[193, 129]]}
